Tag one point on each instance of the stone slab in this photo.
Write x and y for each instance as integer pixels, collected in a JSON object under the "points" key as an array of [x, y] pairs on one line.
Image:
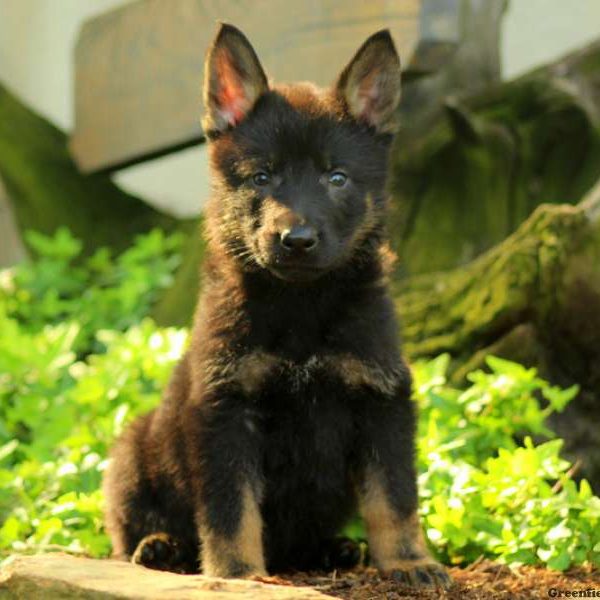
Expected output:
{"points": [[64, 577]]}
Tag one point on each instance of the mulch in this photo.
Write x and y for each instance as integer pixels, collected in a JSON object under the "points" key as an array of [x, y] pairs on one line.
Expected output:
{"points": [[483, 580]]}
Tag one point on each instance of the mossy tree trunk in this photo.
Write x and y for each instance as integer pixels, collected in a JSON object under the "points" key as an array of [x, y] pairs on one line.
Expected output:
{"points": [[534, 276], [47, 191], [464, 181], [534, 298]]}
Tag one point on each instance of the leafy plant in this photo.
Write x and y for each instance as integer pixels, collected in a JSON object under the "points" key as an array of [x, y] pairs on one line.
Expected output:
{"points": [[58, 420], [96, 292], [61, 405], [486, 487]]}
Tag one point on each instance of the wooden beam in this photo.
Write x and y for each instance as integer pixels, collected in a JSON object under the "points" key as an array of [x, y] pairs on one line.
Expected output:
{"points": [[138, 69]]}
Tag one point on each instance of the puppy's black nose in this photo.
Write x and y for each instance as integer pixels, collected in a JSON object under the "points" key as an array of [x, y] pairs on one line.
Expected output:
{"points": [[300, 238]]}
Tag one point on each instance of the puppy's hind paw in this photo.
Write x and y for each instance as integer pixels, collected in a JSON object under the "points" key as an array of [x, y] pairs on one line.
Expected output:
{"points": [[163, 552], [340, 553]]}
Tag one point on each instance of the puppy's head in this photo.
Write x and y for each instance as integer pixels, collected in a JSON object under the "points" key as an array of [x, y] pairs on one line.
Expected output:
{"points": [[298, 171]]}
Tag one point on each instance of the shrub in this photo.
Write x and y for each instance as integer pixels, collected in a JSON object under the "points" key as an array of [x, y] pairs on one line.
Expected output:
{"points": [[68, 384], [486, 487]]}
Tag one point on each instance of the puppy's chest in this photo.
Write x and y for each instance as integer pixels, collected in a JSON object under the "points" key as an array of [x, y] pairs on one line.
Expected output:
{"points": [[308, 430], [306, 415]]}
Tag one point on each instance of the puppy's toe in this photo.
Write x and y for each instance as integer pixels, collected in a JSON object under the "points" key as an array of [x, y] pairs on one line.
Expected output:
{"points": [[427, 575]]}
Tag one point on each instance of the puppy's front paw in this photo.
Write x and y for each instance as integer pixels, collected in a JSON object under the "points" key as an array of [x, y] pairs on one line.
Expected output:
{"points": [[234, 569], [419, 573]]}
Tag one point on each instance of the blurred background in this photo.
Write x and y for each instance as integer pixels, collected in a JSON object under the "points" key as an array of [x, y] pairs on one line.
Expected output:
{"points": [[37, 44], [494, 214]]}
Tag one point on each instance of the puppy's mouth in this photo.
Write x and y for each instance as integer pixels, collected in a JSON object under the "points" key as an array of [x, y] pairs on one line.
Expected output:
{"points": [[292, 267], [297, 273]]}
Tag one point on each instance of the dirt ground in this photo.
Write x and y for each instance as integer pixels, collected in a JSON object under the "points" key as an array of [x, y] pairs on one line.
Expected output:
{"points": [[483, 580]]}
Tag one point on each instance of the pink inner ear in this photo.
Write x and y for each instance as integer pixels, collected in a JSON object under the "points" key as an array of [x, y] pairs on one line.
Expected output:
{"points": [[232, 96], [369, 96]]}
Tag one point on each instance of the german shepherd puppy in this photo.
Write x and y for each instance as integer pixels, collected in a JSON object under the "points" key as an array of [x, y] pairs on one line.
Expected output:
{"points": [[291, 409]]}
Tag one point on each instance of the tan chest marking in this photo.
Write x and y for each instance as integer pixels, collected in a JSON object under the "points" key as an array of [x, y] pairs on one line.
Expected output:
{"points": [[248, 371], [252, 370], [356, 373]]}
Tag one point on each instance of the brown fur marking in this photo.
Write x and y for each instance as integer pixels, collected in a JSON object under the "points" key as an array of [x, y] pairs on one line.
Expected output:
{"points": [[252, 370], [356, 373], [370, 221]]}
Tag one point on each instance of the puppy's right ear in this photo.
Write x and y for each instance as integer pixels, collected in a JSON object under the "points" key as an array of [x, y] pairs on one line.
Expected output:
{"points": [[370, 85], [233, 80]]}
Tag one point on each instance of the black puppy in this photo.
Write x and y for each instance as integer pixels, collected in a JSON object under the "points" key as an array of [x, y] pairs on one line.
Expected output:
{"points": [[291, 409]]}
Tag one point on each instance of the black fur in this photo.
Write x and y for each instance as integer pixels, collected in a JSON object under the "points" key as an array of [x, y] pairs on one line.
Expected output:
{"points": [[293, 390]]}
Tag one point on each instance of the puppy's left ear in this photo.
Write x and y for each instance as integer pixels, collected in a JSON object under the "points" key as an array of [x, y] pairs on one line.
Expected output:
{"points": [[233, 80], [369, 86]]}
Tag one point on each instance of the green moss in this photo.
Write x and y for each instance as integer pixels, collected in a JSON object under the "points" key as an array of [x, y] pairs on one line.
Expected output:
{"points": [[464, 310], [47, 190]]}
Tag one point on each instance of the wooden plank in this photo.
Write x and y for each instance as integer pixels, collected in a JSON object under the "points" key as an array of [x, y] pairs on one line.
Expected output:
{"points": [[139, 68]]}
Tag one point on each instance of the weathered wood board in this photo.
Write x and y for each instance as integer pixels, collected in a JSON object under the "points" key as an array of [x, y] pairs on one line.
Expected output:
{"points": [[139, 67]]}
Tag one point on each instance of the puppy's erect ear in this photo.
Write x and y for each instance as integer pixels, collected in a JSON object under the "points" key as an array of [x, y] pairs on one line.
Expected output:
{"points": [[370, 85], [233, 80]]}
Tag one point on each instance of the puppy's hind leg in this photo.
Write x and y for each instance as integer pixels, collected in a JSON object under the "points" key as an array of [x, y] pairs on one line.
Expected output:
{"points": [[147, 519]]}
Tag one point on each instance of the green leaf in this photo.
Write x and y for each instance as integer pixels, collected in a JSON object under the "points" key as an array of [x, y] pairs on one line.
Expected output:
{"points": [[560, 398], [560, 562]]}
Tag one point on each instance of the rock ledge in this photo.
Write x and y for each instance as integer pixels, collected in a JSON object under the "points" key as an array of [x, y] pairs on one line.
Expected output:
{"points": [[64, 577]]}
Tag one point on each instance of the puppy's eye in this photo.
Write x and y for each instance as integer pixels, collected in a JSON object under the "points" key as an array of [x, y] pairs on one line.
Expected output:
{"points": [[338, 178], [261, 178]]}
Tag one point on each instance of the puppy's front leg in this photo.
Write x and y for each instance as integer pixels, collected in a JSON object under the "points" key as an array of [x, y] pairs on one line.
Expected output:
{"points": [[228, 494], [234, 549], [388, 498]]}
